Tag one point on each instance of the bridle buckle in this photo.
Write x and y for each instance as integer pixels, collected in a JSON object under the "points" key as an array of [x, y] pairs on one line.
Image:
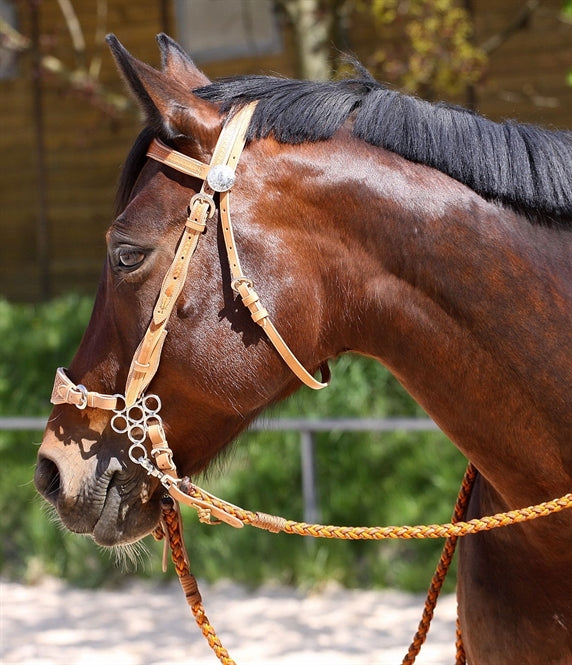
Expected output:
{"points": [[83, 390], [241, 279], [201, 197]]}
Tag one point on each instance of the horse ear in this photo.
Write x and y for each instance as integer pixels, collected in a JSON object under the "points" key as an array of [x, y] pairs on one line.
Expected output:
{"points": [[169, 106], [176, 63]]}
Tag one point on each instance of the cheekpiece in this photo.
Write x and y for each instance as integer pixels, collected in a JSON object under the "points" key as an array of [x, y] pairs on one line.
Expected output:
{"points": [[220, 178]]}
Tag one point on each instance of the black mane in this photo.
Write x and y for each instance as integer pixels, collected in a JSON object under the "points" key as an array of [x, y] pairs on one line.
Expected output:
{"points": [[521, 166]]}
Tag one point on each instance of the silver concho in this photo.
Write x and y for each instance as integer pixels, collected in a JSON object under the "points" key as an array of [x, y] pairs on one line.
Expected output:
{"points": [[220, 177]]}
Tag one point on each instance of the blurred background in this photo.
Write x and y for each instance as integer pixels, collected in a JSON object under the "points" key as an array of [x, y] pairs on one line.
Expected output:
{"points": [[67, 125]]}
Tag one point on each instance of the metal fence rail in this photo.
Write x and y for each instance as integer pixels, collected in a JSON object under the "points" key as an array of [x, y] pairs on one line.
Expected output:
{"points": [[307, 428], [37, 423], [18, 423]]}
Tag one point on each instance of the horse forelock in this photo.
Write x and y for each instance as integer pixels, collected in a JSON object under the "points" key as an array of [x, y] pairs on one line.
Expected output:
{"points": [[131, 168], [521, 166]]}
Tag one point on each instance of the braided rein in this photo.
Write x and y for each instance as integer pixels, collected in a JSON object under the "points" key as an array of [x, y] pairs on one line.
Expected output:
{"points": [[212, 510], [141, 422]]}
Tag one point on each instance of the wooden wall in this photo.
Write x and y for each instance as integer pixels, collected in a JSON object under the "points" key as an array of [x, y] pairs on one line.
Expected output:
{"points": [[526, 78], [85, 147]]}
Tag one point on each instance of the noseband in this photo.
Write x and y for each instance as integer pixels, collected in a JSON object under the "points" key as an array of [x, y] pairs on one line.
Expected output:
{"points": [[133, 414]]}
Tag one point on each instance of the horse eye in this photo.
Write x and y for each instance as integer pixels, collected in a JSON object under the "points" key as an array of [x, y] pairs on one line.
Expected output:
{"points": [[130, 258]]}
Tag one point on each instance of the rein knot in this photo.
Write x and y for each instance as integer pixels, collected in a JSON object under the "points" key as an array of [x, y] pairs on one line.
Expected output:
{"points": [[272, 523]]}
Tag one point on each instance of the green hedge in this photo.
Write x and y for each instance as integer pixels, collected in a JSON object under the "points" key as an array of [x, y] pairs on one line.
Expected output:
{"points": [[363, 478]]}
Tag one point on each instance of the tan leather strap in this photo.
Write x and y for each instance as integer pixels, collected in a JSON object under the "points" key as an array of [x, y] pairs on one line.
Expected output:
{"points": [[205, 509], [162, 153], [218, 176], [227, 151], [65, 391], [244, 287]]}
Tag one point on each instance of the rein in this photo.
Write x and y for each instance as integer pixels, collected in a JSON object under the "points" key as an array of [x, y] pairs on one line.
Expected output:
{"points": [[136, 414]]}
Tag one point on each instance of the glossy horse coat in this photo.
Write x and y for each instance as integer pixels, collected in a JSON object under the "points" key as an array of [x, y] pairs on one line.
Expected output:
{"points": [[423, 235]]}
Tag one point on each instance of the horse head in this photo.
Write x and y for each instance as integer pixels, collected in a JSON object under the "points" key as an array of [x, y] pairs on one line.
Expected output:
{"points": [[217, 369]]}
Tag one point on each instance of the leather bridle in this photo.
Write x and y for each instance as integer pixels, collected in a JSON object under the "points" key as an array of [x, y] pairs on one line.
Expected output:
{"points": [[137, 414]]}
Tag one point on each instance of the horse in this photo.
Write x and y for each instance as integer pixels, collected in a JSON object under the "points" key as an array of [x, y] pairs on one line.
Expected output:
{"points": [[423, 235]]}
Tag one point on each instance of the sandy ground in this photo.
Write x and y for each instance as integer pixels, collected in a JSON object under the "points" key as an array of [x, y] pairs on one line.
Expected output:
{"points": [[52, 624]]}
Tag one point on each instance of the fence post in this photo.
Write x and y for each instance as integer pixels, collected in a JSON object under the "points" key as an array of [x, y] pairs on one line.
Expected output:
{"points": [[309, 487]]}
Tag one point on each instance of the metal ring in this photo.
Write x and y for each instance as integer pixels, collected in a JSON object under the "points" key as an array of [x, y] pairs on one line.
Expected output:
{"points": [[135, 428], [154, 419], [137, 409], [134, 447], [146, 400], [83, 390], [117, 398], [116, 418]]}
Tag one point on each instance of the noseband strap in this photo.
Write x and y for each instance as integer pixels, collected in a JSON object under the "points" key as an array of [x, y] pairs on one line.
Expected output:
{"points": [[65, 391]]}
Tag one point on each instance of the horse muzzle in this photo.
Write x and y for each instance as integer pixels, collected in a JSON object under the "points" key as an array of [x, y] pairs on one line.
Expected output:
{"points": [[97, 495]]}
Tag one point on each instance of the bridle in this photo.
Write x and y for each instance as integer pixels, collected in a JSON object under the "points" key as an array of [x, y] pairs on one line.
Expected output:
{"points": [[137, 414]]}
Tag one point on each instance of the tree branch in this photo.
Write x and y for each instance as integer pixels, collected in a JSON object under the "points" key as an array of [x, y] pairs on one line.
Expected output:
{"points": [[78, 80], [518, 23]]}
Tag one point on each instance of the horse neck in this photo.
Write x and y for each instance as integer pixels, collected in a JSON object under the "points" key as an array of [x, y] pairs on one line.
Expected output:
{"points": [[469, 306]]}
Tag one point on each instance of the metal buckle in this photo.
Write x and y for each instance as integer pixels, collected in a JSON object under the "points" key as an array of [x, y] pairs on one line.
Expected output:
{"points": [[241, 279], [83, 390], [201, 197]]}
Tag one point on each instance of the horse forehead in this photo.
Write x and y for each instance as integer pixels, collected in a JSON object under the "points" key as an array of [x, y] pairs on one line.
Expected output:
{"points": [[157, 194]]}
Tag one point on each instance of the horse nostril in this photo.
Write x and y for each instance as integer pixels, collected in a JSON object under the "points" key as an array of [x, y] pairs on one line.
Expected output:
{"points": [[47, 479]]}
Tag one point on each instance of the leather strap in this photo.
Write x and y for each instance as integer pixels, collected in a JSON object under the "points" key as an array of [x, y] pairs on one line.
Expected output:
{"points": [[162, 153], [227, 151], [65, 391], [205, 509], [202, 206], [244, 287]]}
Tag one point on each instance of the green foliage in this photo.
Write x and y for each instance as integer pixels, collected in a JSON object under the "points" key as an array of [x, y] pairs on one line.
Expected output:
{"points": [[436, 55], [363, 478], [35, 340], [567, 16]]}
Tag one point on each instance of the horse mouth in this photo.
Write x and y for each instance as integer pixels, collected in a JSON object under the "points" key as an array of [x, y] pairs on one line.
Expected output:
{"points": [[114, 508]]}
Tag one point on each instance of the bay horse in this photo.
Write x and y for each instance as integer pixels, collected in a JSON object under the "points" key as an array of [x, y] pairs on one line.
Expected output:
{"points": [[421, 234]]}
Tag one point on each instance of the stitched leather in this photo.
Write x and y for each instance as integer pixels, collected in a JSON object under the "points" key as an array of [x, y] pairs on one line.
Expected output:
{"points": [[162, 153], [227, 151], [65, 391]]}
